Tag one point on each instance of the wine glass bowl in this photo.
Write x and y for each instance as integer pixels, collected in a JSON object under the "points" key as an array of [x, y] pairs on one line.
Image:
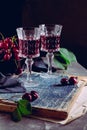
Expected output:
{"points": [[50, 43], [29, 48], [21, 44], [31, 39]]}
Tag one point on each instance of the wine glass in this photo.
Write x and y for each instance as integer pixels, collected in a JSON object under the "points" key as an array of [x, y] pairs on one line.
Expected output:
{"points": [[50, 43], [29, 48]]}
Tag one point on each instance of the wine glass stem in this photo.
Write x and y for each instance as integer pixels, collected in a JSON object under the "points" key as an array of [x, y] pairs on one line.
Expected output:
{"points": [[50, 59], [29, 63]]}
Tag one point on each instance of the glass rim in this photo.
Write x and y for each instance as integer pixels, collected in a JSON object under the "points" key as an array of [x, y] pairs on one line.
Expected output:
{"points": [[26, 27], [50, 24]]}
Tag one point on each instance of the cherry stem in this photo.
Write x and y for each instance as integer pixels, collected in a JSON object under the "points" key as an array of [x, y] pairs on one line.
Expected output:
{"points": [[2, 36]]}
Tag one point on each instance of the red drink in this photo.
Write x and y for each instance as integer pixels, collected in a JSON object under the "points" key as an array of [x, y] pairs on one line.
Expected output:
{"points": [[29, 48], [33, 48], [50, 43], [22, 48]]}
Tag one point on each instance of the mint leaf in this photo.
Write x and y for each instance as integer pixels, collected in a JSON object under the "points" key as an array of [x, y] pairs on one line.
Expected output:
{"points": [[24, 107]]}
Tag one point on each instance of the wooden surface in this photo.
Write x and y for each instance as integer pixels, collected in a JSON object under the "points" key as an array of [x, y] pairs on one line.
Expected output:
{"points": [[32, 124]]}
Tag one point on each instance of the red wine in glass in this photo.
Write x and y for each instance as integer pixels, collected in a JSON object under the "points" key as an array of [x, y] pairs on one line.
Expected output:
{"points": [[50, 43], [22, 48], [32, 48], [29, 48]]}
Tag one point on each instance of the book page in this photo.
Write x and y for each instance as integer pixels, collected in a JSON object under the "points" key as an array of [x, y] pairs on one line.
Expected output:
{"points": [[81, 104]]}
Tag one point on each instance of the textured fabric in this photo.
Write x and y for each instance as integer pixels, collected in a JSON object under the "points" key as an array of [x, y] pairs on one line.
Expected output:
{"points": [[10, 84]]}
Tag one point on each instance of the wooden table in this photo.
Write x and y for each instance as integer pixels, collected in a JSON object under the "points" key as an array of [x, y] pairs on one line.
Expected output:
{"points": [[35, 124]]}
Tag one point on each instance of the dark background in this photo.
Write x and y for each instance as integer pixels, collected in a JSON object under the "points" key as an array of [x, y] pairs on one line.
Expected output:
{"points": [[10, 16], [72, 14]]}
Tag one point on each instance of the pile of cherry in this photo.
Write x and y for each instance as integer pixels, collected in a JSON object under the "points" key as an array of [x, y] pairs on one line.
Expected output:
{"points": [[8, 49], [32, 96], [69, 81]]}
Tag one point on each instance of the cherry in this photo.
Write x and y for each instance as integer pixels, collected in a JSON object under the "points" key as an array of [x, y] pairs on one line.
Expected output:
{"points": [[12, 45], [27, 96], [7, 56], [73, 80], [5, 45], [64, 81], [8, 40], [15, 50], [34, 95], [9, 50]]}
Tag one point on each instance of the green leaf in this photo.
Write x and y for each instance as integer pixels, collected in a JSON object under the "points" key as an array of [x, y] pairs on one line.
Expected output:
{"points": [[16, 115], [24, 107], [67, 55], [59, 64], [63, 58]]}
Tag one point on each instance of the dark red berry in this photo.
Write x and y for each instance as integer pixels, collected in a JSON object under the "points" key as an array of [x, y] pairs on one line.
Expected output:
{"points": [[7, 57], [6, 45], [34, 95], [64, 81], [27, 96], [73, 80]]}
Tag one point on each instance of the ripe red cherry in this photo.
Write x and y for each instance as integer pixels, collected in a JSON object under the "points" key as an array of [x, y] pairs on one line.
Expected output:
{"points": [[73, 80], [6, 45], [64, 81], [7, 40], [7, 56], [27, 96], [34, 95], [15, 50]]}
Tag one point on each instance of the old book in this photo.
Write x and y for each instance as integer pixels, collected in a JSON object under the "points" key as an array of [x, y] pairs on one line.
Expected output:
{"points": [[7, 106], [55, 103]]}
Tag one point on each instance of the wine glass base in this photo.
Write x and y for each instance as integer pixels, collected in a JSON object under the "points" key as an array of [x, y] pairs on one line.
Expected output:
{"points": [[29, 83]]}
